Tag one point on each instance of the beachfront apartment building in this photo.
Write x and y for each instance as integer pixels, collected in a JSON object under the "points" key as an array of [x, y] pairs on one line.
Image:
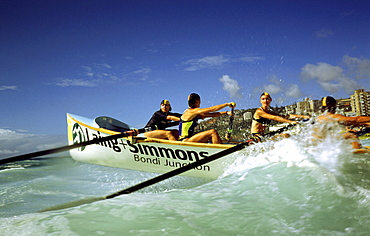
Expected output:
{"points": [[305, 107], [357, 105], [360, 102], [344, 107]]}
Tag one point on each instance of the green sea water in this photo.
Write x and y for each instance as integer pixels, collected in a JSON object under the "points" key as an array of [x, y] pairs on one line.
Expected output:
{"points": [[289, 187]]}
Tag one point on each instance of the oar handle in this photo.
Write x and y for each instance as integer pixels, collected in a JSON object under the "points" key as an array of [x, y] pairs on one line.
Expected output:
{"points": [[230, 129]]}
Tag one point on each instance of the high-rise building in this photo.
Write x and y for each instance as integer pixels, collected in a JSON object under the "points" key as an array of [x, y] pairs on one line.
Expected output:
{"points": [[303, 107], [360, 102], [291, 109], [357, 105], [315, 106], [344, 107]]}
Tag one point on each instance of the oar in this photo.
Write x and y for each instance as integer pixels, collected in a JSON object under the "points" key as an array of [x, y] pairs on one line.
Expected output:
{"points": [[280, 130], [152, 181], [230, 129], [162, 177], [76, 145]]}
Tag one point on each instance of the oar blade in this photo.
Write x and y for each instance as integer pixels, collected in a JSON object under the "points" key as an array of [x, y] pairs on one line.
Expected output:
{"points": [[112, 124]]}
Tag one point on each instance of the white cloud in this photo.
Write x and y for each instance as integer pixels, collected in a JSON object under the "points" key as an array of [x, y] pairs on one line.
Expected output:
{"points": [[141, 74], [275, 87], [293, 91], [331, 78], [205, 62], [87, 68], [360, 68], [104, 73], [75, 82], [279, 90], [105, 65], [152, 50], [143, 71], [272, 88], [323, 33], [215, 62], [330, 87], [2, 88], [324, 72], [14, 143], [248, 59], [231, 86]]}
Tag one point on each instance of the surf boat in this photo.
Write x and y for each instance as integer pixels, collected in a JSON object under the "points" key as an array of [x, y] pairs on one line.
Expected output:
{"points": [[141, 153]]}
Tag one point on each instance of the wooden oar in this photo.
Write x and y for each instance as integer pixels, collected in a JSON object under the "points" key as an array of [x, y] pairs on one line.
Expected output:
{"points": [[76, 145], [152, 181], [230, 129], [279, 131], [162, 177]]}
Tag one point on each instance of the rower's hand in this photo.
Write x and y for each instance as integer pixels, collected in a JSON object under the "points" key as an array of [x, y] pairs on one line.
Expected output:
{"points": [[230, 113], [232, 104], [133, 132]]}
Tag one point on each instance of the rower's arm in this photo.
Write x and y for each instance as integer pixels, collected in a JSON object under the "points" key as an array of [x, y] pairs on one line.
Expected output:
{"points": [[276, 118], [214, 114], [363, 119], [356, 120], [293, 116], [174, 118], [200, 112], [215, 108]]}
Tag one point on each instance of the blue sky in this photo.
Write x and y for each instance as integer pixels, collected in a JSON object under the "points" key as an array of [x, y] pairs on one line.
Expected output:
{"points": [[121, 58]]}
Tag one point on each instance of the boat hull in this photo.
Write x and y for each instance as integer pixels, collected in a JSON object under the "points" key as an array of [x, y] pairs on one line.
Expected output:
{"points": [[150, 155]]}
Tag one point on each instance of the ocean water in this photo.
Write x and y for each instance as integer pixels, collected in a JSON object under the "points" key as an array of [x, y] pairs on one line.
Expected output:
{"points": [[289, 187]]}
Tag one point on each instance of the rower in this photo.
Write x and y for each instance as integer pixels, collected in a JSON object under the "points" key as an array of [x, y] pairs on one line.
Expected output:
{"points": [[162, 119], [264, 115]]}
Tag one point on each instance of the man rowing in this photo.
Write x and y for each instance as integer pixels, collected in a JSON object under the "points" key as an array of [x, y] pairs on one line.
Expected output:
{"points": [[329, 117], [189, 120], [162, 119]]}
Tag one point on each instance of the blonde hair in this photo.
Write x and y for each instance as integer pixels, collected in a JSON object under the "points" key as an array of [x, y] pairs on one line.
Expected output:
{"points": [[266, 94]]}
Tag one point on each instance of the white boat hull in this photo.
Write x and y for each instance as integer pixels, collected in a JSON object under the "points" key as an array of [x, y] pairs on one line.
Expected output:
{"points": [[151, 155]]}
